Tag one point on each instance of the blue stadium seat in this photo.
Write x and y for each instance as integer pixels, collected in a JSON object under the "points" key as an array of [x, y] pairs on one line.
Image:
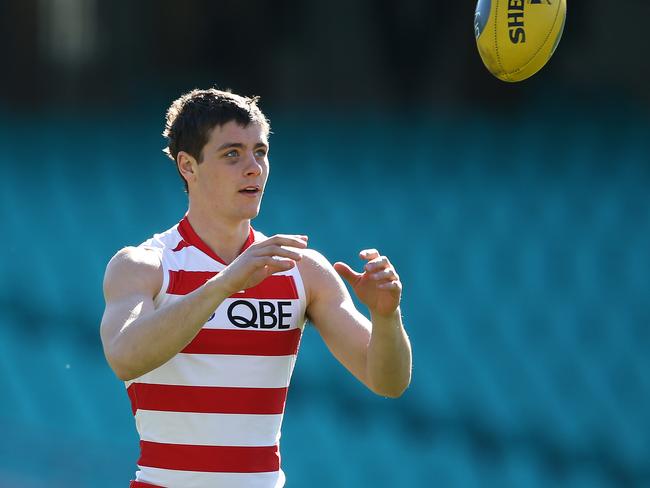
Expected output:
{"points": [[525, 276]]}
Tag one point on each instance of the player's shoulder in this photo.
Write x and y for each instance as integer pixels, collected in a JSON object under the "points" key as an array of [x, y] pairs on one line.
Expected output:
{"points": [[134, 267], [314, 261], [148, 255], [140, 257], [318, 274]]}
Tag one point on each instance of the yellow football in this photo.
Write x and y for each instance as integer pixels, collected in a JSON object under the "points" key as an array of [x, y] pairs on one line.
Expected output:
{"points": [[516, 38]]}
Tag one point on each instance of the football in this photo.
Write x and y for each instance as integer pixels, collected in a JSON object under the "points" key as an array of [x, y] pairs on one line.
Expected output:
{"points": [[516, 38]]}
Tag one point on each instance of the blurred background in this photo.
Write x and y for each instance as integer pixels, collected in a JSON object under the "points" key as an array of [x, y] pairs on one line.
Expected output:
{"points": [[518, 217]]}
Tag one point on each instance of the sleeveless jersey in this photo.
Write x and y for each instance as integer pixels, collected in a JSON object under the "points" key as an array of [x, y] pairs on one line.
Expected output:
{"points": [[211, 415]]}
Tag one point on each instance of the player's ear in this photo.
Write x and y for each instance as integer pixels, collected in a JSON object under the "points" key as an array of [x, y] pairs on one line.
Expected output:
{"points": [[187, 166]]}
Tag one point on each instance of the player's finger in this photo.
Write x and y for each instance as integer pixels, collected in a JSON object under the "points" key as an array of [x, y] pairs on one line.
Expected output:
{"points": [[290, 240], [377, 264], [391, 285], [277, 263], [368, 254], [387, 274], [280, 251], [346, 272]]}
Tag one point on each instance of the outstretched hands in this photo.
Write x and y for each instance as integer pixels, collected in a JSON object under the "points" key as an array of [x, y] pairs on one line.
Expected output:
{"points": [[261, 260], [378, 287]]}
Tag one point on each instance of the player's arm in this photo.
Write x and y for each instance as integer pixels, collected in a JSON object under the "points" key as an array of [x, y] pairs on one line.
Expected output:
{"points": [[138, 338], [376, 351]]}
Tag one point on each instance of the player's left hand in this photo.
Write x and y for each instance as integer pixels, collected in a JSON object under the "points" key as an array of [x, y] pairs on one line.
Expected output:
{"points": [[378, 287]]}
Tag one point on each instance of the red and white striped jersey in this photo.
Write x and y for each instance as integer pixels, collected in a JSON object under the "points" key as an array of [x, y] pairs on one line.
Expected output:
{"points": [[211, 415]]}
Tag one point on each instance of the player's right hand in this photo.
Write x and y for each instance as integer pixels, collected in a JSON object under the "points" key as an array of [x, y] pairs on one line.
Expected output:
{"points": [[262, 259]]}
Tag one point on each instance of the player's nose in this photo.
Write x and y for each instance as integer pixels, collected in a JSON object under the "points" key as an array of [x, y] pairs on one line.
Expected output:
{"points": [[253, 166]]}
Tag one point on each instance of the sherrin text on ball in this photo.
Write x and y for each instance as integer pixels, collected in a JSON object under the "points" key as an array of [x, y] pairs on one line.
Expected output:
{"points": [[516, 38]]}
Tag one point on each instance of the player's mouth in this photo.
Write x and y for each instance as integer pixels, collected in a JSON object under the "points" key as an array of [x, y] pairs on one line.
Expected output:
{"points": [[251, 190]]}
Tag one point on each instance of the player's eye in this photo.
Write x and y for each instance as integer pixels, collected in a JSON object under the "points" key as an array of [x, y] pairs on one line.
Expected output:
{"points": [[232, 154], [260, 153]]}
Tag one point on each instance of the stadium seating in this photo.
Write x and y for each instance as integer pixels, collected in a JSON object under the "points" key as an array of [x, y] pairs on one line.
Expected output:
{"points": [[526, 275]]}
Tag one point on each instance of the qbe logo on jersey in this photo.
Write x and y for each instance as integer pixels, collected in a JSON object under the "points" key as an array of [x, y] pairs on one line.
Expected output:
{"points": [[260, 315]]}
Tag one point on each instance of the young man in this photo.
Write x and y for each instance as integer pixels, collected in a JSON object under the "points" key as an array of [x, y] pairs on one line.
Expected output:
{"points": [[203, 321]]}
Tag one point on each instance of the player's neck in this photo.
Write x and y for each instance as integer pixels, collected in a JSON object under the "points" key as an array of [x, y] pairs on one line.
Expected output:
{"points": [[224, 237]]}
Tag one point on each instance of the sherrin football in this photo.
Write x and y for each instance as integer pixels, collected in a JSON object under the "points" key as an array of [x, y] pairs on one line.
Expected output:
{"points": [[516, 38]]}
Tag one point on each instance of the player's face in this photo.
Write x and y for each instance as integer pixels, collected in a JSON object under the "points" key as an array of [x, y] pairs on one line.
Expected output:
{"points": [[234, 170]]}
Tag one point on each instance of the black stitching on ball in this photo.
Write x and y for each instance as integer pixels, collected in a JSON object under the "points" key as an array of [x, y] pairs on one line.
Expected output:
{"points": [[530, 60], [496, 44]]}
